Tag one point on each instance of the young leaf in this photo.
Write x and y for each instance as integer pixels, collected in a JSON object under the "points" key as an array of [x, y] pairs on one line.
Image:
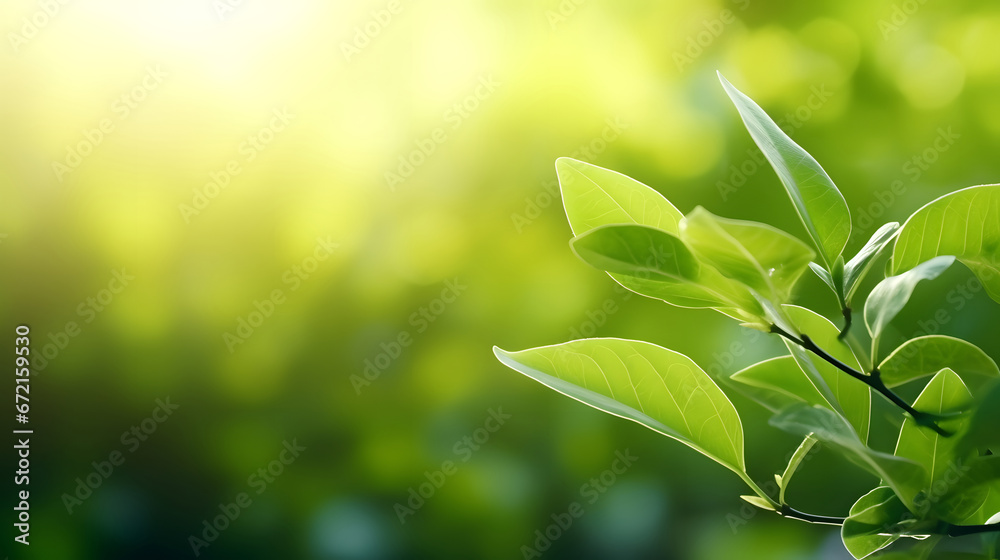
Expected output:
{"points": [[856, 269], [793, 465], [937, 454], [890, 295], [774, 315], [594, 196], [926, 355], [837, 272], [759, 502], [819, 204], [966, 224], [653, 262], [873, 522], [658, 388], [758, 255], [905, 477], [825, 276], [851, 395]]}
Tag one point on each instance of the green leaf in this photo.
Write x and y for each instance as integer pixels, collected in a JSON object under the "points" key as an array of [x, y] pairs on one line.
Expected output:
{"points": [[856, 269], [926, 355], [637, 251], [819, 204], [890, 295], [986, 513], [902, 475], [594, 196], [966, 224], [852, 396], [658, 388], [762, 393], [758, 255], [974, 488], [874, 522], [982, 433], [782, 376], [657, 264], [793, 465], [937, 454]]}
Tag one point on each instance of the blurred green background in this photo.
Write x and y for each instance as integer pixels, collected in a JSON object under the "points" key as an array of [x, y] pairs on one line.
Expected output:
{"points": [[331, 211]]}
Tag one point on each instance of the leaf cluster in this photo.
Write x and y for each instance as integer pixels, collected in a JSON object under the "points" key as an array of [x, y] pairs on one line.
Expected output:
{"points": [[940, 481]]}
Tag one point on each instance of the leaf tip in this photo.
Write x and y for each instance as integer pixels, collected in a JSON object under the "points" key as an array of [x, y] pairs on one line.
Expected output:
{"points": [[566, 163]]}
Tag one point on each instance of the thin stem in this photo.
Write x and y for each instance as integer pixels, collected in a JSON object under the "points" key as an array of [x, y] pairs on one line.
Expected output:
{"points": [[949, 530], [874, 380], [791, 513], [785, 510], [847, 322], [757, 489], [860, 351], [809, 345], [921, 418]]}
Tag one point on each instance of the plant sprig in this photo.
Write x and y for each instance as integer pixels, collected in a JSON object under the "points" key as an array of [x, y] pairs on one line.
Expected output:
{"points": [[748, 271]]}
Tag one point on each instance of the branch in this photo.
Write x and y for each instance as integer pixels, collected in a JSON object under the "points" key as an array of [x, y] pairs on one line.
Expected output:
{"points": [[874, 380], [946, 529], [963, 530]]}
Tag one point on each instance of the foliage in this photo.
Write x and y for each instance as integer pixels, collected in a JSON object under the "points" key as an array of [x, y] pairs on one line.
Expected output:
{"points": [[940, 482]]}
